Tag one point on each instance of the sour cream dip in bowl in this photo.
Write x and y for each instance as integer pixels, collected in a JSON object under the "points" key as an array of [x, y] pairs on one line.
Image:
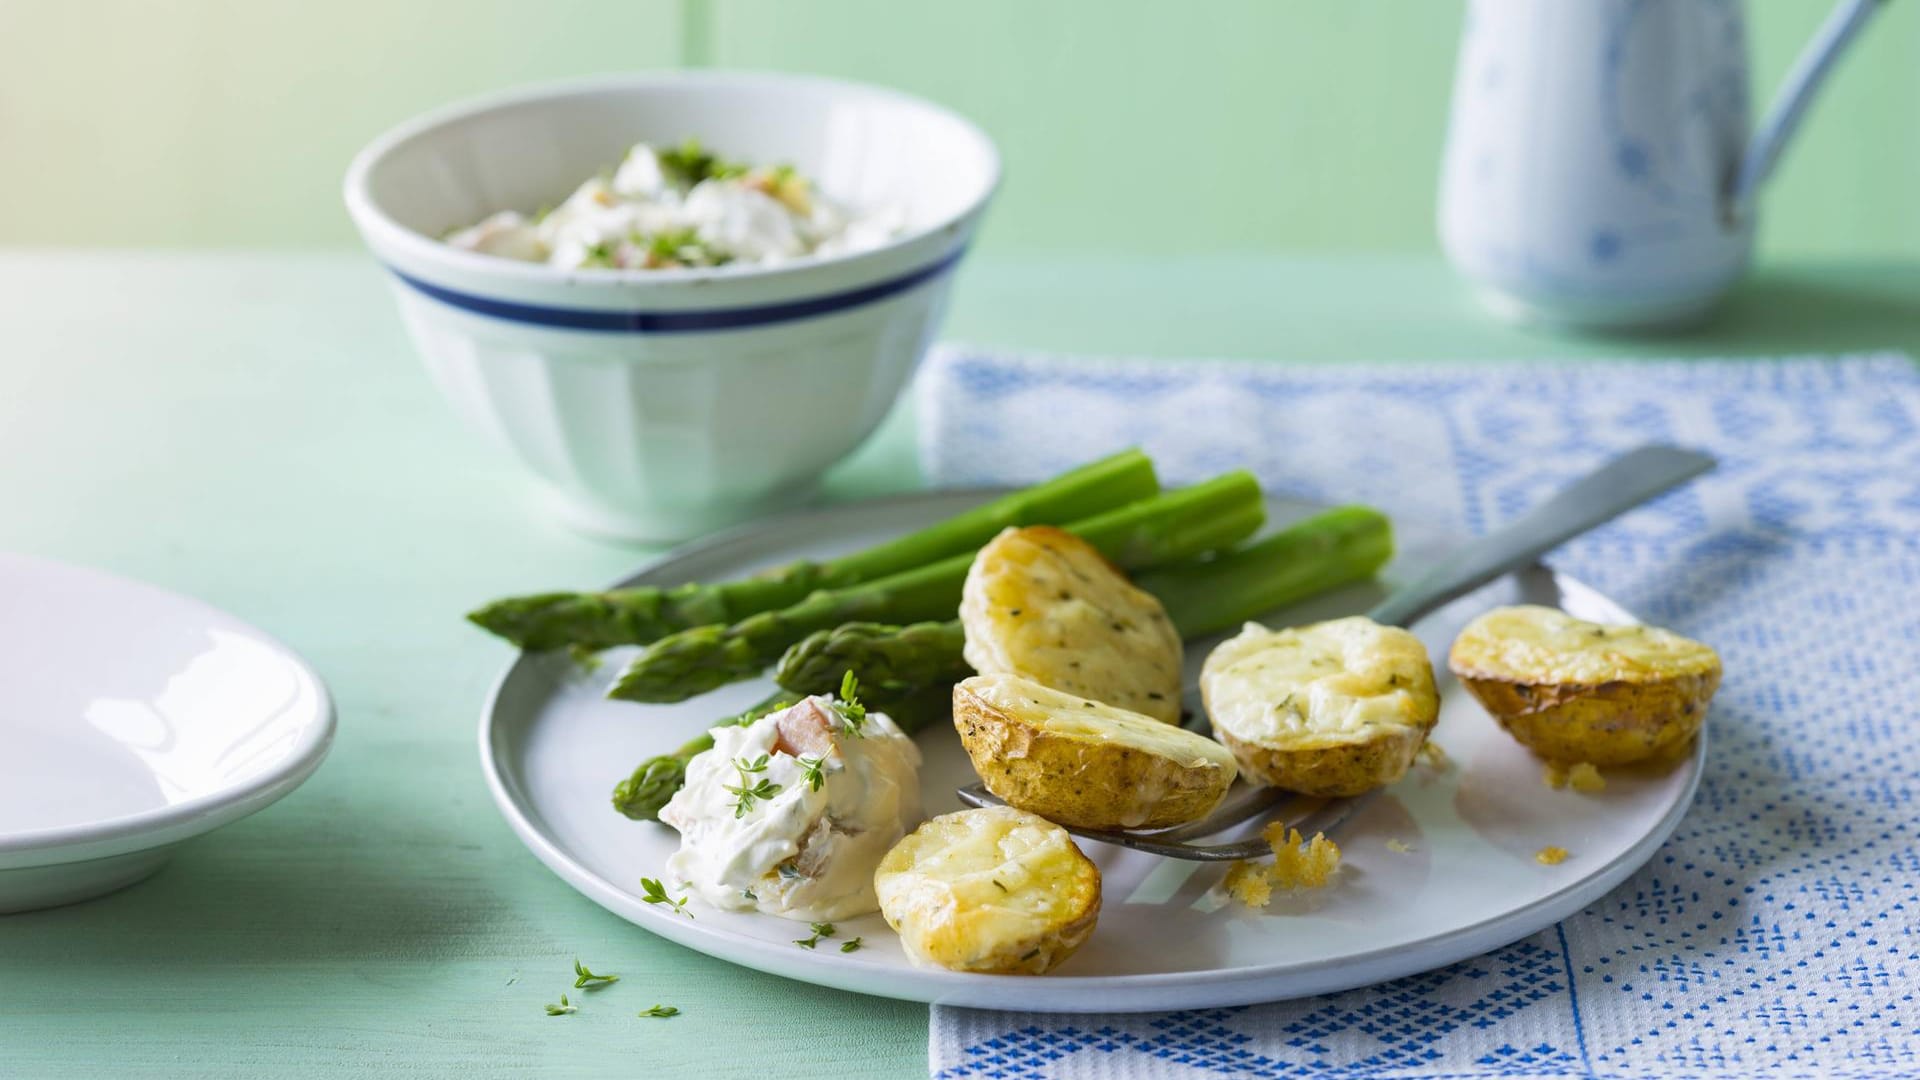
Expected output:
{"points": [[674, 374]]}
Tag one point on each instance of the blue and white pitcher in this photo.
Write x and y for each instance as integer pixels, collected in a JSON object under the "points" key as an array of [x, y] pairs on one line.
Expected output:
{"points": [[1598, 170]]}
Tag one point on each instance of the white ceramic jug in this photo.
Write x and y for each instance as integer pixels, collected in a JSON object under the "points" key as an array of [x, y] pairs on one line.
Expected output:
{"points": [[1598, 169]]}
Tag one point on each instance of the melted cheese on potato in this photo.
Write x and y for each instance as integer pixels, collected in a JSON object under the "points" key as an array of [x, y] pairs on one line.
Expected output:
{"points": [[1042, 603], [1074, 717], [1542, 645], [1345, 681], [992, 889]]}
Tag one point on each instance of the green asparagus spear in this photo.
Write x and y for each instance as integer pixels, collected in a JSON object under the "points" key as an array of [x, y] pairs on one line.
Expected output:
{"points": [[1323, 552], [1177, 525], [1336, 547], [636, 616], [890, 659]]}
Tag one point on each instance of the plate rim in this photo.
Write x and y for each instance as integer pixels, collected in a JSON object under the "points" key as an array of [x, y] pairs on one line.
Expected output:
{"points": [[1211, 988], [160, 826]]}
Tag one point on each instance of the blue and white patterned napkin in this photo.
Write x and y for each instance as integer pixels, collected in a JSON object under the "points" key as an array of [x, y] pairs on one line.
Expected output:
{"points": [[1779, 930]]}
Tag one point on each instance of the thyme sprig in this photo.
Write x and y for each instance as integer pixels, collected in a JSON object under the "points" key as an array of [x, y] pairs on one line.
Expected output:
{"points": [[587, 980], [656, 893], [749, 790], [853, 715]]}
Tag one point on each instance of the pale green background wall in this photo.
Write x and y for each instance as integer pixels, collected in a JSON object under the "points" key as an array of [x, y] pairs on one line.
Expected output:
{"points": [[1310, 125]]}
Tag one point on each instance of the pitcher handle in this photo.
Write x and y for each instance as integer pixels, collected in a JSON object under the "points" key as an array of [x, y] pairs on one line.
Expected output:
{"points": [[1783, 117]]}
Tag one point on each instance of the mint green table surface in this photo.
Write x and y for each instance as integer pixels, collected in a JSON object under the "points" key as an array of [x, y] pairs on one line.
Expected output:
{"points": [[254, 430]]}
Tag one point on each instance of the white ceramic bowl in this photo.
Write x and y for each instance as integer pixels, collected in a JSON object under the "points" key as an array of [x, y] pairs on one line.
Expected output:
{"points": [[662, 404], [131, 719]]}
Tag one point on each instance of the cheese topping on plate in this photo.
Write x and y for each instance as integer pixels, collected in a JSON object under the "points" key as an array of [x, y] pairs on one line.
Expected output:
{"points": [[1344, 681], [1529, 643], [1042, 603], [791, 814], [993, 890]]}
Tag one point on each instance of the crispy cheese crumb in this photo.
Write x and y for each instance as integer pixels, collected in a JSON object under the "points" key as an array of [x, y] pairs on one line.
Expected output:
{"points": [[1436, 758], [1298, 863], [1249, 884], [1399, 847], [1586, 779], [1550, 855], [1581, 777]]}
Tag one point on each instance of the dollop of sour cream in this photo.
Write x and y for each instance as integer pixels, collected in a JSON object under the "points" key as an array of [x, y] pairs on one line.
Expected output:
{"points": [[789, 848], [682, 207]]}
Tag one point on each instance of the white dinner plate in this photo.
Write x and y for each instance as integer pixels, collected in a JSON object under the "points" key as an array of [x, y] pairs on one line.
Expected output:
{"points": [[132, 718], [553, 748]]}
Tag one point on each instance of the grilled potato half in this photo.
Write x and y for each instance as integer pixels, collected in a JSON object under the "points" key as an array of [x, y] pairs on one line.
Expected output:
{"points": [[1333, 709], [1572, 690], [993, 890], [1043, 603], [1082, 763]]}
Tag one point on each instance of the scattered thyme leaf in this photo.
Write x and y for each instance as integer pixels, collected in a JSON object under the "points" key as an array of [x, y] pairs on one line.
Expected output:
{"points": [[750, 790], [851, 946], [563, 1008], [587, 980], [656, 893], [810, 771], [661, 1011]]}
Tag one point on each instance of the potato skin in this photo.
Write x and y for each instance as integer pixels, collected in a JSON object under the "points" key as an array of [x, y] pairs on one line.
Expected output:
{"points": [[1572, 690], [1384, 667], [1086, 783], [931, 893], [1336, 771], [1611, 723]]}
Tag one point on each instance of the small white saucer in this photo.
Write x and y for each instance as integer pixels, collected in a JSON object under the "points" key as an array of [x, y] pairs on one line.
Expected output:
{"points": [[131, 719]]}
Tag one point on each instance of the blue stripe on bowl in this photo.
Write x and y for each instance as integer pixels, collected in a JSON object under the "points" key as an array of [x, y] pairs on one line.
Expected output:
{"points": [[682, 322]]}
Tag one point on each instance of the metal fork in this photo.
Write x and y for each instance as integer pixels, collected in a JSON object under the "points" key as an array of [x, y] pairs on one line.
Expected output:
{"points": [[1597, 498]]}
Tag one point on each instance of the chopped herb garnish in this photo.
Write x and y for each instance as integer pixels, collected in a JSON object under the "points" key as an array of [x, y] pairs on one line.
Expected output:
{"points": [[748, 790], [588, 980], [563, 1008], [851, 946], [997, 885], [661, 1011], [852, 713], [599, 255], [810, 771], [656, 893], [820, 930], [689, 163]]}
